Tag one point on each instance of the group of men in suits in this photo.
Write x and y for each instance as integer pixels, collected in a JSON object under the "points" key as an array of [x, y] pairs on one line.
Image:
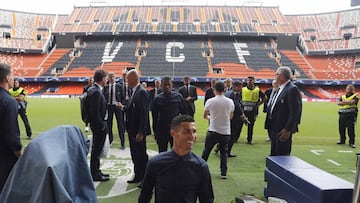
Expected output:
{"points": [[282, 105], [108, 98], [283, 114]]}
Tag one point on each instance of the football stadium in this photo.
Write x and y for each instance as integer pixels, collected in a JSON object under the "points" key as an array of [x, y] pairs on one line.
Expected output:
{"points": [[53, 56]]}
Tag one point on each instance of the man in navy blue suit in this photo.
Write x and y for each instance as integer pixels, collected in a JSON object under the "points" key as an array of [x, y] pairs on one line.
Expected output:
{"points": [[10, 146], [96, 106], [283, 113], [137, 124], [115, 98]]}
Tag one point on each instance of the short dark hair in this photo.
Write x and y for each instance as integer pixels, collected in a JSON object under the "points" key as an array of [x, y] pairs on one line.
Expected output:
{"points": [[166, 78], [175, 123], [219, 87], [237, 83], [251, 77], [99, 75], [186, 77], [5, 70]]}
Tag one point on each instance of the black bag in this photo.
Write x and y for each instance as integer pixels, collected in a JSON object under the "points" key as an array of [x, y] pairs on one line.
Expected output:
{"points": [[84, 106]]}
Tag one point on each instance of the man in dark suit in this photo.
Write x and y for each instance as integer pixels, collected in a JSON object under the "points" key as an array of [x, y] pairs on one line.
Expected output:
{"points": [[190, 95], [228, 84], [10, 146], [114, 98], [96, 106], [137, 124], [154, 92], [239, 116], [269, 93], [210, 91], [283, 113]]}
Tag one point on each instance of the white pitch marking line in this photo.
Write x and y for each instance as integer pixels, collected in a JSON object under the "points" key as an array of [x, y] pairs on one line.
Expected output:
{"points": [[345, 151], [334, 162], [316, 151]]}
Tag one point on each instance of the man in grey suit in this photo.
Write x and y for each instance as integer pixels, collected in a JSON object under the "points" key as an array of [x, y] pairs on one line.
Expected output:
{"points": [[137, 124], [190, 95], [283, 113]]}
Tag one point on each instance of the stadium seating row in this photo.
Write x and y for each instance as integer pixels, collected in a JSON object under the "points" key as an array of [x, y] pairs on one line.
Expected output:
{"points": [[233, 57], [327, 31]]}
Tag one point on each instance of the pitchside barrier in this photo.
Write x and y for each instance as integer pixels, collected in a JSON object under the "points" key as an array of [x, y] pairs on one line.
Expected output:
{"points": [[295, 180]]}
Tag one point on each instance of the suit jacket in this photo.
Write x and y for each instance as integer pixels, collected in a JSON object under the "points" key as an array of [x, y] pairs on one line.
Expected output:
{"points": [[119, 93], [165, 108], [209, 94], [9, 127], [152, 96], [238, 111], [193, 94], [137, 113], [267, 93], [286, 113], [97, 109]]}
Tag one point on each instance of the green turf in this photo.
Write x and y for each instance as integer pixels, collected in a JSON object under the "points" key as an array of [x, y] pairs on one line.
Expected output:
{"points": [[318, 131]]}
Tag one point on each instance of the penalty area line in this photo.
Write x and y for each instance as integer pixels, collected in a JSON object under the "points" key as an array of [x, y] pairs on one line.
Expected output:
{"points": [[334, 162]]}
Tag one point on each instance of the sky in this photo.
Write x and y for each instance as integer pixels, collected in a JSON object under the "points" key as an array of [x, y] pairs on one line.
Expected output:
{"points": [[287, 7]]}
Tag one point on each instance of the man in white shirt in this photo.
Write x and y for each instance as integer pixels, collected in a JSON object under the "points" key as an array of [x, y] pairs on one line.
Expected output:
{"points": [[219, 110]]}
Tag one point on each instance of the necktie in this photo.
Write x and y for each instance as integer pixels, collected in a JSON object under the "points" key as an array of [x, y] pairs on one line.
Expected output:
{"points": [[156, 91], [273, 99], [188, 90], [111, 94], [126, 91]]}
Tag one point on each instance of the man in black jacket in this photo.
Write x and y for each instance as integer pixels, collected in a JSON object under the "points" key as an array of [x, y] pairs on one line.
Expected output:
{"points": [[190, 95], [96, 106], [137, 124], [10, 146]]}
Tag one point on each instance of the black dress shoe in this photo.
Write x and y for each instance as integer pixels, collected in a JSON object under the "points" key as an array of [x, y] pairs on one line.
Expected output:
{"points": [[231, 155], [340, 143], [105, 174], [135, 180], [100, 178]]}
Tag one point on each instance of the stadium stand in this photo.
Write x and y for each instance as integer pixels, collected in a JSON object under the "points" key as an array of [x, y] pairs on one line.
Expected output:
{"points": [[201, 41], [327, 31], [25, 30]]}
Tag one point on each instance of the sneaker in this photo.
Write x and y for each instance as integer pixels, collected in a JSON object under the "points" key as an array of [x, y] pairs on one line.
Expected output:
{"points": [[352, 145], [122, 147], [86, 129], [250, 143], [268, 140], [223, 176]]}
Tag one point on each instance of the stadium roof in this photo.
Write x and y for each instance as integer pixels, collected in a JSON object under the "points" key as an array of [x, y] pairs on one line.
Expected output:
{"points": [[287, 7]]}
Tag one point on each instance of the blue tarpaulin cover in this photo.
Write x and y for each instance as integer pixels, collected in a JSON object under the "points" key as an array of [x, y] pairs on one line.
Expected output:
{"points": [[52, 169]]}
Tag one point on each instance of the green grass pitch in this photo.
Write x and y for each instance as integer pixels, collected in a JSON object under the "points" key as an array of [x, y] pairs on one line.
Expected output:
{"points": [[318, 131]]}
